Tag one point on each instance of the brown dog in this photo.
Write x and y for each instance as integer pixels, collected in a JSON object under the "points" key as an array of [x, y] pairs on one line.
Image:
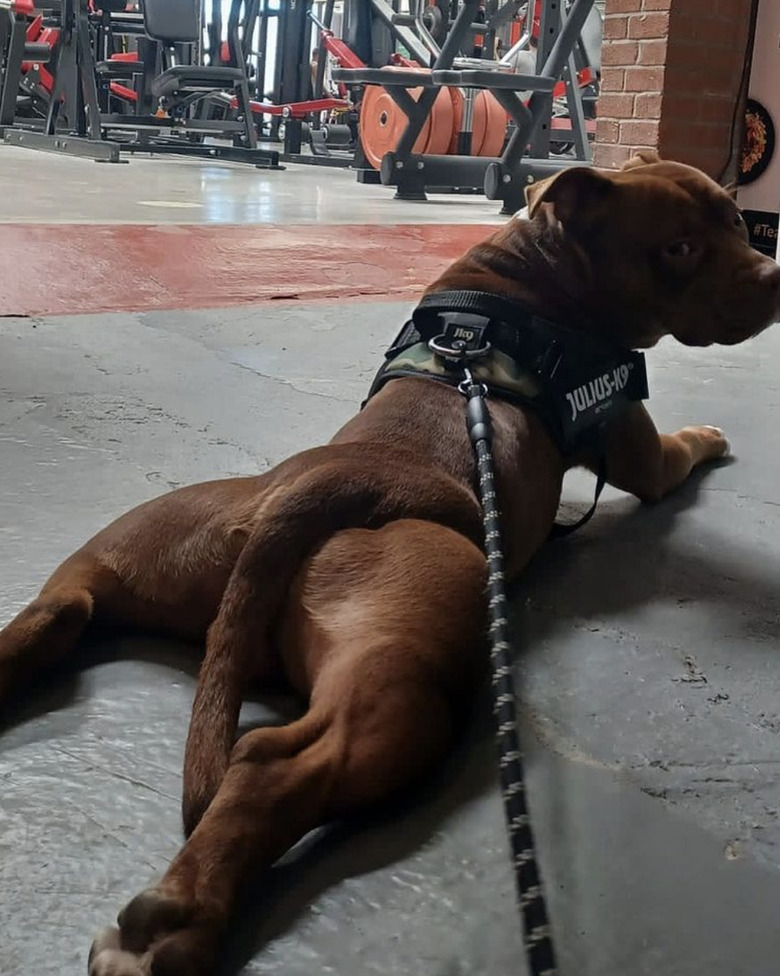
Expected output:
{"points": [[321, 569]]}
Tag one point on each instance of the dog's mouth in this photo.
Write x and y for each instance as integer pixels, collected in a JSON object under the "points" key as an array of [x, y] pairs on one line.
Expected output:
{"points": [[729, 331]]}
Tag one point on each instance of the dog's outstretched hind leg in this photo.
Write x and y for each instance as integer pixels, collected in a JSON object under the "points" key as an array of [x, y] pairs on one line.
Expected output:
{"points": [[49, 628], [321, 502]]}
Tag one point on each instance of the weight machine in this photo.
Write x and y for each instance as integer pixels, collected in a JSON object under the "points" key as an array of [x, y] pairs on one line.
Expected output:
{"points": [[164, 88], [427, 156]]}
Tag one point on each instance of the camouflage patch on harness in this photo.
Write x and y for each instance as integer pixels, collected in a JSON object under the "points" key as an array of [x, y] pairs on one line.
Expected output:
{"points": [[497, 370]]}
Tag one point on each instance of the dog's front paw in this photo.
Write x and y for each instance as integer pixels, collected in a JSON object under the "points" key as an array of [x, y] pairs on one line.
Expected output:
{"points": [[158, 935], [712, 441], [717, 439]]}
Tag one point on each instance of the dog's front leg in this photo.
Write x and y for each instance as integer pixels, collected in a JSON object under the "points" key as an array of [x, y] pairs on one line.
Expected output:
{"points": [[650, 465]]}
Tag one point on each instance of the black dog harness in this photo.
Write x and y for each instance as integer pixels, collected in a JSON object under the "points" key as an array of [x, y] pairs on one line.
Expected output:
{"points": [[575, 382]]}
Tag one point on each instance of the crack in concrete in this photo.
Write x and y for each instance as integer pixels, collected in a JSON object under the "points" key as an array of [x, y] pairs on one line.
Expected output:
{"points": [[292, 385], [111, 833], [114, 774], [742, 496]]}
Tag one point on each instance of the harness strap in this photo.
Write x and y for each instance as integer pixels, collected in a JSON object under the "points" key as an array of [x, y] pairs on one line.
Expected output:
{"points": [[475, 302], [582, 379], [561, 529]]}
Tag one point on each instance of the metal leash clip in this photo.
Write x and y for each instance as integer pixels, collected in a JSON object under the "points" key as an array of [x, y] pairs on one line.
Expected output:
{"points": [[468, 383]]}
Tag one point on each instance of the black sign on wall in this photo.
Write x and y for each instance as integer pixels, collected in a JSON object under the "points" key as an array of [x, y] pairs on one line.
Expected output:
{"points": [[762, 227]]}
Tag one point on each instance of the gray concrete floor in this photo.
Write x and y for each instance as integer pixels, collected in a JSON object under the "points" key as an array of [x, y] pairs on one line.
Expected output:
{"points": [[647, 644], [648, 669], [40, 187]]}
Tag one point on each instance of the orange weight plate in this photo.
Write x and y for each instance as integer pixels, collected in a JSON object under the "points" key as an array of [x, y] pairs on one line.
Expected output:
{"points": [[488, 124], [382, 124], [479, 124], [442, 120], [456, 95], [494, 126]]}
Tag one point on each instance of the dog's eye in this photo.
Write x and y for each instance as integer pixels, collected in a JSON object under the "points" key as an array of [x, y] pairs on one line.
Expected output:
{"points": [[739, 220], [680, 249], [682, 257]]}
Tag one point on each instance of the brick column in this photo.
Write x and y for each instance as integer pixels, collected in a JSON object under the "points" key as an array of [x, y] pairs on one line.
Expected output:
{"points": [[672, 74]]}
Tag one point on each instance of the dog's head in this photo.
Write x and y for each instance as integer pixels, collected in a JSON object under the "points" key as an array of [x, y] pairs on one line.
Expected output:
{"points": [[664, 250]]}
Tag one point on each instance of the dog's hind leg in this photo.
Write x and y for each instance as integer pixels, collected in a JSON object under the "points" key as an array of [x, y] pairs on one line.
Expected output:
{"points": [[391, 627], [322, 502], [281, 783], [49, 628]]}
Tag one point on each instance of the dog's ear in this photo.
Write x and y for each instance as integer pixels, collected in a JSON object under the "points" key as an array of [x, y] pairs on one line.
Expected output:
{"points": [[571, 192], [645, 157]]}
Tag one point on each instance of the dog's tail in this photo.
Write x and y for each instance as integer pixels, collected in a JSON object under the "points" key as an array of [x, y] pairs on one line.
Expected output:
{"points": [[329, 498]]}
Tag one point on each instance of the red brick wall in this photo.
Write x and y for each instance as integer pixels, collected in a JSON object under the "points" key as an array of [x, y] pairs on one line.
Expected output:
{"points": [[672, 73]]}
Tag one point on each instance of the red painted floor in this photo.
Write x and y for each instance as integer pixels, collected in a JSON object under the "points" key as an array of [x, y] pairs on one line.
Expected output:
{"points": [[68, 269]]}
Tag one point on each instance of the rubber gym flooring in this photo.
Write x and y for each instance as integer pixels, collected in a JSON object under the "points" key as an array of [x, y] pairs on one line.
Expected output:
{"points": [[214, 331]]}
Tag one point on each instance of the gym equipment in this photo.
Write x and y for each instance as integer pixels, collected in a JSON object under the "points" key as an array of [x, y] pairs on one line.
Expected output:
{"points": [[382, 123], [298, 107], [156, 99], [463, 122], [528, 99], [26, 46], [332, 143]]}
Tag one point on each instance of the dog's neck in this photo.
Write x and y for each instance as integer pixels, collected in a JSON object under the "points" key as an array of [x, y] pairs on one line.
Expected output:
{"points": [[528, 261]]}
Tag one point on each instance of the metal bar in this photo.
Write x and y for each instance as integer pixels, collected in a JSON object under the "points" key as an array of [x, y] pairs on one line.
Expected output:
{"points": [[319, 78], [11, 72], [404, 101], [567, 38], [549, 29], [262, 158], [262, 43], [457, 35], [576, 112], [416, 111], [491, 8], [428, 39], [513, 104], [100, 149], [406, 36], [293, 131], [86, 68], [504, 14], [250, 132], [537, 117], [444, 171], [332, 162], [191, 126], [522, 42]]}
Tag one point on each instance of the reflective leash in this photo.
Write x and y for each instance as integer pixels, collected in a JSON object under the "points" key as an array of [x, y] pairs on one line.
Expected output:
{"points": [[530, 894], [578, 383]]}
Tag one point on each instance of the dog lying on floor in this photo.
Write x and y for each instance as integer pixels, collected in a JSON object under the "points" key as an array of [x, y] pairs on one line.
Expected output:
{"points": [[320, 570]]}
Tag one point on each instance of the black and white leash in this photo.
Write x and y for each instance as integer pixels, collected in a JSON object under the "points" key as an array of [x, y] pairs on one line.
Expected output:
{"points": [[530, 894]]}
